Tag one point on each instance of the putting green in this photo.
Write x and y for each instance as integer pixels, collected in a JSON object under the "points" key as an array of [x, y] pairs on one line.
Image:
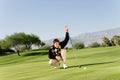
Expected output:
{"points": [[100, 63]]}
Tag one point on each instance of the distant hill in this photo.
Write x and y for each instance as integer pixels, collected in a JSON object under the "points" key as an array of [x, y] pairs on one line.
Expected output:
{"points": [[88, 38]]}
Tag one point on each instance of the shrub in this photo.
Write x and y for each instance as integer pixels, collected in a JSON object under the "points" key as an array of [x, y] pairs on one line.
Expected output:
{"points": [[0, 49], [93, 45], [78, 45]]}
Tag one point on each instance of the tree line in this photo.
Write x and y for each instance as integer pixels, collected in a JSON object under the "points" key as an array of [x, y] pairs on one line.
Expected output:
{"points": [[19, 42], [22, 41], [106, 42]]}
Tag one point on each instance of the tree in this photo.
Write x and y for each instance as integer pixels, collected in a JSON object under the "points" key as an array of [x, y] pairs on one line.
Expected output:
{"points": [[115, 40], [5, 44], [42, 43], [17, 40], [78, 45], [29, 40], [20, 39], [106, 42], [93, 45]]}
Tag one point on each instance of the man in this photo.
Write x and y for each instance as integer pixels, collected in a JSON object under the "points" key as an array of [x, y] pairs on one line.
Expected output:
{"points": [[57, 52]]}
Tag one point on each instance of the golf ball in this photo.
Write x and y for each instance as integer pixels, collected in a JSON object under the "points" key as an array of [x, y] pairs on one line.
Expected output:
{"points": [[84, 68]]}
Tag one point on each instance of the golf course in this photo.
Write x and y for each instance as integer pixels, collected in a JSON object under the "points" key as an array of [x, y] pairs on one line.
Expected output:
{"points": [[83, 64]]}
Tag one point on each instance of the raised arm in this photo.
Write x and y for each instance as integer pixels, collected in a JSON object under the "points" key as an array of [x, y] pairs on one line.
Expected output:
{"points": [[65, 41]]}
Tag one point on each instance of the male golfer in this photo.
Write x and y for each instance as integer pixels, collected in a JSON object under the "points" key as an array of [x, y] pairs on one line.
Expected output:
{"points": [[57, 52]]}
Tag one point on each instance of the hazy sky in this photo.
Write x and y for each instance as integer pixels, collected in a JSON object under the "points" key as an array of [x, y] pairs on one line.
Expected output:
{"points": [[47, 18]]}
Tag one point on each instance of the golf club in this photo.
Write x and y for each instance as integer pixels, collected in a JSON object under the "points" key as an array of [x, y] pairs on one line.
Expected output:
{"points": [[74, 51]]}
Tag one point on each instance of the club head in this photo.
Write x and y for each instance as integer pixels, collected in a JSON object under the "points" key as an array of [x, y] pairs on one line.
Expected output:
{"points": [[79, 66]]}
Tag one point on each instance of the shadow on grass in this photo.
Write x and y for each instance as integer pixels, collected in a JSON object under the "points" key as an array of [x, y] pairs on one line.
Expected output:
{"points": [[1, 54], [35, 53], [92, 64]]}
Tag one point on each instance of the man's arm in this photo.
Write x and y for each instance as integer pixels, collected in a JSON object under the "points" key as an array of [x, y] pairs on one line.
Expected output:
{"points": [[65, 41], [50, 54]]}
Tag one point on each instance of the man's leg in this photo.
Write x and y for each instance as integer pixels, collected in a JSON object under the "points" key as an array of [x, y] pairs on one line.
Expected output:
{"points": [[63, 54], [54, 63]]}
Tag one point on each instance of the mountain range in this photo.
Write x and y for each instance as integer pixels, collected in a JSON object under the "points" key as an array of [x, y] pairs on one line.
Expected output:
{"points": [[88, 38]]}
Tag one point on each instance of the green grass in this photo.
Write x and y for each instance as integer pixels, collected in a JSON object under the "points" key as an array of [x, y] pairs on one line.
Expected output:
{"points": [[101, 64]]}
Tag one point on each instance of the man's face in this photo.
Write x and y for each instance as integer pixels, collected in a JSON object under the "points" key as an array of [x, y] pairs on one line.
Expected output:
{"points": [[56, 44]]}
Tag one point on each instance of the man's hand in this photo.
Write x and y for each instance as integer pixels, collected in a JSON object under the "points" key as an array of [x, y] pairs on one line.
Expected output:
{"points": [[66, 28], [58, 58]]}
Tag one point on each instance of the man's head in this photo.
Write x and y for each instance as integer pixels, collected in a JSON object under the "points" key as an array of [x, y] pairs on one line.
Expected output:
{"points": [[56, 43]]}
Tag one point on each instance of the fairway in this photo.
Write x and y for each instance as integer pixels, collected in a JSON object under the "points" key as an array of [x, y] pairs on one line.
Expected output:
{"points": [[96, 64]]}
